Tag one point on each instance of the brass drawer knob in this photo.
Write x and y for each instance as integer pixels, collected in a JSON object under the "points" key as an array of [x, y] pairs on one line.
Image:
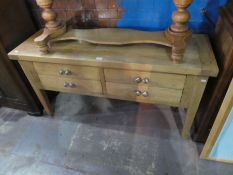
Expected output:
{"points": [[138, 93], [69, 85], [146, 80], [138, 80], [145, 94]]}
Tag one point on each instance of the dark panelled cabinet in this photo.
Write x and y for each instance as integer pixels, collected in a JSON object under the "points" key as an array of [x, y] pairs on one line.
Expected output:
{"points": [[217, 87], [15, 26]]}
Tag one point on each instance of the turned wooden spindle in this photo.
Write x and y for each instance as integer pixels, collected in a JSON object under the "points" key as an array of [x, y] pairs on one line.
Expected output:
{"points": [[179, 31], [52, 29]]}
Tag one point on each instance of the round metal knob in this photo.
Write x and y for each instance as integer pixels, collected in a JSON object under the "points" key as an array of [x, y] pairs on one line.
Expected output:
{"points": [[68, 72], [66, 85], [145, 94], [138, 93], [61, 72], [71, 85], [138, 80], [146, 80]]}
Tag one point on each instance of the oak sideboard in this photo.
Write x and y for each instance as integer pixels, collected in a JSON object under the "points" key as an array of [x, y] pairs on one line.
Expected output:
{"points": [[135, 72]]}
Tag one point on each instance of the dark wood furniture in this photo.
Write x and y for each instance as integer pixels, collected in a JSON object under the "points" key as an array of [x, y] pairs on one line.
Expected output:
{"points": [[15, 26], [217, 87]]}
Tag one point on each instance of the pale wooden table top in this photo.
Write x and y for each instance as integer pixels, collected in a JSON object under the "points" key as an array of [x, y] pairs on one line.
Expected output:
{"points": [[198, 60]]}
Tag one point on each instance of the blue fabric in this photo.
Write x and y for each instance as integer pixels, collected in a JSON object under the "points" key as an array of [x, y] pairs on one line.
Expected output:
{"points": [[155, 15]]}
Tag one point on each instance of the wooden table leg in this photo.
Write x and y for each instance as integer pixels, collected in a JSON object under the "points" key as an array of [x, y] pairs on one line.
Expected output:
{"points": [[34, 80], [199, 84], [179, 31], [52, 29]]}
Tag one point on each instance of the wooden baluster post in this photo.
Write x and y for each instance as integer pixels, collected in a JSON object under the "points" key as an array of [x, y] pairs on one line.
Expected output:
{"points": [[52, 29], [179, 32]]}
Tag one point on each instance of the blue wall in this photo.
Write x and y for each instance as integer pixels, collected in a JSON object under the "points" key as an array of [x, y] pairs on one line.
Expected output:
{"points": [[155, 15]]}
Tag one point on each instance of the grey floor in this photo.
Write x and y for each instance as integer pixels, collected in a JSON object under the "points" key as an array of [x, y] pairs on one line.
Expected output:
{"points": [[97, 136]]}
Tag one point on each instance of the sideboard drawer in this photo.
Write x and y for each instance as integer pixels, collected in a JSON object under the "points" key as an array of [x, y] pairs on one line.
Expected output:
{"points": [[162, 80], [144, 93], [63, 70], [70, 84]]}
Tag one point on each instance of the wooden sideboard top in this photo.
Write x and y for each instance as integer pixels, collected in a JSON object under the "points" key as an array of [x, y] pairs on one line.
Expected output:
{"points": [[198, 59]]}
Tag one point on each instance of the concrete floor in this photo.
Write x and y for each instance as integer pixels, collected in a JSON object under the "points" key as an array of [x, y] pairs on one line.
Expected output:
{"points": [[97, 136]]}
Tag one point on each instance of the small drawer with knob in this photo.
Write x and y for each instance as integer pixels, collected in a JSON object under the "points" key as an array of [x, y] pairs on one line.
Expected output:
{"points": [[163, 80], [65, 84], [143, 93], [70, 71]]}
